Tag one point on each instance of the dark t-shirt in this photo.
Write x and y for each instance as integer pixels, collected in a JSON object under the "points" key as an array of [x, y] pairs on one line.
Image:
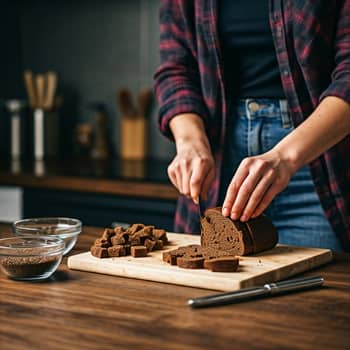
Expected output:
{"points": [[250, 63]]}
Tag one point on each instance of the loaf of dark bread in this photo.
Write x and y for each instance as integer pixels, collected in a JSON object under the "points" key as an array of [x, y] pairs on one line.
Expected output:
{"points": [[221, 234]]}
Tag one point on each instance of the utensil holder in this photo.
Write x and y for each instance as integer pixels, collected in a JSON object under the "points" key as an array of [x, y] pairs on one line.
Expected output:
{"points": [[46, 133], [133, 138], [133, 169]]}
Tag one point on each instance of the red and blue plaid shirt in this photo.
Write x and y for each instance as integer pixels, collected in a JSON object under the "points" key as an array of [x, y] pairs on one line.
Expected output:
{"points": [[312, 41]]}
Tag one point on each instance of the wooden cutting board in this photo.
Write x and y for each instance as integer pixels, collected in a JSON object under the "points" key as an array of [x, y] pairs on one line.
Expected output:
{"points": [[273, 265]]}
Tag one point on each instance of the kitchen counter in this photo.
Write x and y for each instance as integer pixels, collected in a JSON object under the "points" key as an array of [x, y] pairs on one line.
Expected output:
{"points": [[81, 310], [147, 179]]}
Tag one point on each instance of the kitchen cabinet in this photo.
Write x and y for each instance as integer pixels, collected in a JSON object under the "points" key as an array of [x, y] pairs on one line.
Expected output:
{"points": [[98, 209], [97, 192], [10, 203]]}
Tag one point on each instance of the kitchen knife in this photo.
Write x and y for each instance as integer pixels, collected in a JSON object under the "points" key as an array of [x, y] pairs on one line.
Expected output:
{"points": [[286, 286], [200, 210]]}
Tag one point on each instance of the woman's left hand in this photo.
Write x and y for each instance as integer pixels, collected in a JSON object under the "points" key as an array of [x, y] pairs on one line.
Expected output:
{"points": [[256, 182]]}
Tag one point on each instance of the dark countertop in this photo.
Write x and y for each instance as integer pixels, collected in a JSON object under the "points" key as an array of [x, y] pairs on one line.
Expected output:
{"points": [[131, 178], [82, 310]]}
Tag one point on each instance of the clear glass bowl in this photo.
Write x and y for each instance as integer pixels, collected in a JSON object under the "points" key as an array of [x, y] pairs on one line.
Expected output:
{"points": [[30, 258], [66, 228]]}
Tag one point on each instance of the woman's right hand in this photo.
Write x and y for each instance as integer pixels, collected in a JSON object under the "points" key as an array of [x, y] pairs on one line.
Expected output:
{"points": [[192, 170]]}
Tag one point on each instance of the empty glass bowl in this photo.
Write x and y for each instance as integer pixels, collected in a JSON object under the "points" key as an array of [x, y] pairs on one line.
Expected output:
{"points": [[66, 228], [30, 257]]}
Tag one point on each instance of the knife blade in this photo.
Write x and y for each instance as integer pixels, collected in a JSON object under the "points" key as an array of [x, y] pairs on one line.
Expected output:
{"points": [[200, 210], [286, 286]]}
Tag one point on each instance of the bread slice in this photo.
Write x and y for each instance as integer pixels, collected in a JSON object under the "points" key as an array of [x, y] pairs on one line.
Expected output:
{"points": [[190, 263], [190, 251], [223, 264]]}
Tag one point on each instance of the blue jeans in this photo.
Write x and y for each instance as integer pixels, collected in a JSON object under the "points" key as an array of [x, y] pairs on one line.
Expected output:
{"points": [[254, 127]]}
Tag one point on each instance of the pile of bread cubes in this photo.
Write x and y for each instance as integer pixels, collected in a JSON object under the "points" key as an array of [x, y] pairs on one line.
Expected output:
{"points": [[137, 241]]}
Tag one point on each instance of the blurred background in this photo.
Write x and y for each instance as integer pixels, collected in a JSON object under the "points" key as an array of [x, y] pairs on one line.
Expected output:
{"points": [[78, 118], [96, 47]]}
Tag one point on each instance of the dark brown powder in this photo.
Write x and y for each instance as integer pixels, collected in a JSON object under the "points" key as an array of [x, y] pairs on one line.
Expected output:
{"points": [[28, 266]]}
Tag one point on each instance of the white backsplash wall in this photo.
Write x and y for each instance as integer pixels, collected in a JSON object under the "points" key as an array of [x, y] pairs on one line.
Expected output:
{"points": [[10, 203], [96, 47]]}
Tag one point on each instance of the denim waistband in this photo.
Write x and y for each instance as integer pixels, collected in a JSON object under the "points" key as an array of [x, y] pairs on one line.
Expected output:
{"points": [[254, 108]]}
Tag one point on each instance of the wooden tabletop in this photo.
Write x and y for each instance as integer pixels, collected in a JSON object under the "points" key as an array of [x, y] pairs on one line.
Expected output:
{"points": [[81, 310]]}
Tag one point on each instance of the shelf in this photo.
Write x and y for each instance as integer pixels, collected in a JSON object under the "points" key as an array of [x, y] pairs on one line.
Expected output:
{"points": [[147, 179]]}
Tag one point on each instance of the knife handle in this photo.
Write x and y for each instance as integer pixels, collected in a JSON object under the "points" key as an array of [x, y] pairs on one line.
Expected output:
{"points": [[294, 284], [250, 293], [229, 297]]}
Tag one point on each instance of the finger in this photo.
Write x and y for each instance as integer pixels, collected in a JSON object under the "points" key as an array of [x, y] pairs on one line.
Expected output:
{"points": [[199, 172], [207, 183], [257, 195], [270, 194], [186, 172], [178, 176], [195, 186], [172, 175], [232, 190], [243, 195], [257, 169]]}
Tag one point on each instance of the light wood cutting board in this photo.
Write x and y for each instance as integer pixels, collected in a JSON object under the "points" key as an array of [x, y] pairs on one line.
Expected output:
{"points": [[273, 265]]}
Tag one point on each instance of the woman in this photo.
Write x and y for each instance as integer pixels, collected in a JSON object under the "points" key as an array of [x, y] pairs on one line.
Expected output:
{"points": [[256, 96]]}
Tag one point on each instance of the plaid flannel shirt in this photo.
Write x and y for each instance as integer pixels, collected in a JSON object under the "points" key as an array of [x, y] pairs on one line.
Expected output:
{"points": [[312, 42]]}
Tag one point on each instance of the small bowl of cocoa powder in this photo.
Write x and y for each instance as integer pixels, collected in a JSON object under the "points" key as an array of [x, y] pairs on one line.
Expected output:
{"points": [[66, 228], [30, 258]]}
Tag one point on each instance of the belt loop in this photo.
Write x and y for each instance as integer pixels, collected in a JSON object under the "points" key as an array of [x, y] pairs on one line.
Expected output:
{"points": [[249, 112], [286, 120]]}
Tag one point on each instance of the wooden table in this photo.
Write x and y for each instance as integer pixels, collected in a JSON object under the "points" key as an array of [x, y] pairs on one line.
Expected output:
{"points": [[80, 310]]}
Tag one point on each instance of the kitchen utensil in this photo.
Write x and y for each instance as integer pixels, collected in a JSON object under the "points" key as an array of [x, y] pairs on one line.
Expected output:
{"points": [[144, 101], [31, 257], [51, 85], [30, 88], [66, 228], [133, 125], [293, 285], [200, 210], [126, 104], [100, 147], [83, 139], [15, 107], [273, 265], [40, 90], [38, 119]]}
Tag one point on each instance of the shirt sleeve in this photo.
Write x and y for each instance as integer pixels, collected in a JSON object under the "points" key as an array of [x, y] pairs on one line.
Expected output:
{"points": [[177, 80], [340, 83]]}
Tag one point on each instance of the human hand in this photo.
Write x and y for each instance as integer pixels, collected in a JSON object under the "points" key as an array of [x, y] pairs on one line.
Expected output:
{"points": [[256, 182], [192, 170]]}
